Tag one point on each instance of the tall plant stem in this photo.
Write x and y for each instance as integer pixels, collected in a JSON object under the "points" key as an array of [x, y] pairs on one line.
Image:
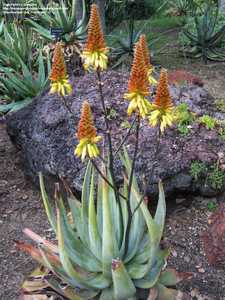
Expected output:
{"points": [[104, 178], [108, 133], [66, 105], [155, 158], [125, 137], [130, 185], [111, 157]]}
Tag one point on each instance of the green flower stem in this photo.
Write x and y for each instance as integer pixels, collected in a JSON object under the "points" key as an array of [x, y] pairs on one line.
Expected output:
{"points": [[108, 132], [66, 105], [106, 180], [155, 157], [125, 137], [130, 184]]}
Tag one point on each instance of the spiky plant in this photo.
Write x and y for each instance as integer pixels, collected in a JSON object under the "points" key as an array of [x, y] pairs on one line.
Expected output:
{"points": [[108, 247], [90, 259], [206, 42]]}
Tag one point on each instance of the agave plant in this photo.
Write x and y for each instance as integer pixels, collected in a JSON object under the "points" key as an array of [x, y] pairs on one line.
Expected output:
{"points": [[17, 43], [60, 16], [207, 41], [19, 88], [123, 46], [93, 258]]}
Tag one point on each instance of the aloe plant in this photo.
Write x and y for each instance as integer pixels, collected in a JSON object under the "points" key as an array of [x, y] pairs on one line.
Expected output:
{"points": [[90, 259], [206, 42], [123, 45], [17, 43], [62, 16], [19, 88]]}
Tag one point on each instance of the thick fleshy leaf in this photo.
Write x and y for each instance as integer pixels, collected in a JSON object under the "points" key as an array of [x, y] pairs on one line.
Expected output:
{"points": [[75, 208], [79, 254], [39, 240], [99, 206], [48, 207], [85, 202], [138, 226], [35, 281], [109, 243], [63, 290], [160, 214], [142, 254], [94, 237], [122, 283], [151, 278], [152, 227], [36, 255], [93, 280], [170, 277], [107, 294], [116, 212], [167, 294]]}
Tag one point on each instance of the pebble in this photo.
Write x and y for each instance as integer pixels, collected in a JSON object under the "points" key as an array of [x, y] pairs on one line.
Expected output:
{"points": [[187, 259], [201, 270], [174, 253], [180, 200], [3, 183]]}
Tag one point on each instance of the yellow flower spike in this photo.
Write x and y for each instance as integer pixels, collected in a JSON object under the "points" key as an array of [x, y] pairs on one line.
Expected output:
{"points": [[138, 85], [147, 61], [58, 77], [87, 135], [95, 51], [162, 108]]}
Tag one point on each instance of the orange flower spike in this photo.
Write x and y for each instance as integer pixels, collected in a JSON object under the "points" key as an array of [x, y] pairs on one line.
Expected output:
{"points": [[95, 39], [87, 134], [138, 85], [95, 50], [138, 81], [162, 108], [58, 76], [145, 50], [146, 55], [162, 98]]}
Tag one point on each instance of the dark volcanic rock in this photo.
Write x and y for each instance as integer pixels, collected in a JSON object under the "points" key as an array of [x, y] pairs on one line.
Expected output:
{"points": [[46, 134]]}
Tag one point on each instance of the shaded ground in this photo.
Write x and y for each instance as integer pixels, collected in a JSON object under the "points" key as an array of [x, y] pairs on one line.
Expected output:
{"points": [[20, 207]]}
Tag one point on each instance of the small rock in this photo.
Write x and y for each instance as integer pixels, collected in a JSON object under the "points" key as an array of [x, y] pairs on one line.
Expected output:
{"points": [[174, 253], [201, 270], [187, 259], [3, 183], [180, 200]]}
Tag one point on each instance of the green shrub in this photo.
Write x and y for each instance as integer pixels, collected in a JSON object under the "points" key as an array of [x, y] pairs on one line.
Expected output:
{"points": [[222, 132], [19, 88], [220, 105], [216, 177], [204, 36], [208, 122], [62, 15], [184, 118], [197, 169]]}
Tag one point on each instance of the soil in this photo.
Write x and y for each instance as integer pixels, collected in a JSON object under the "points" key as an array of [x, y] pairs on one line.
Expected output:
{"points": [[21, 206]]}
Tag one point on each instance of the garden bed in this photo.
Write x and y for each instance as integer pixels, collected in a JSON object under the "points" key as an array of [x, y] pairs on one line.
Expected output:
{"points": [[21, 206]]}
